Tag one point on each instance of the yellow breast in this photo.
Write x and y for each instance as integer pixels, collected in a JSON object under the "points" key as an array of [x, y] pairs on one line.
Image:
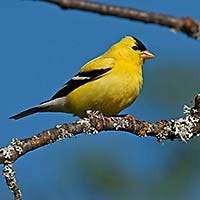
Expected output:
{"points": [[109, 94]]}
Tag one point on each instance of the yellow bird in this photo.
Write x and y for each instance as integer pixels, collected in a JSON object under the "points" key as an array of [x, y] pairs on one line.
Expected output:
{"points": [[108, 83]]}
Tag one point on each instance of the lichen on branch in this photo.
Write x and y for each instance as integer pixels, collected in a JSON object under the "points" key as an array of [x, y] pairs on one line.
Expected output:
{"points": [[182, 129]]}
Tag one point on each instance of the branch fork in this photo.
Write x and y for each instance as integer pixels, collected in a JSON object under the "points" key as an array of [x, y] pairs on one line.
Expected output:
{"points": [[182, 129]]}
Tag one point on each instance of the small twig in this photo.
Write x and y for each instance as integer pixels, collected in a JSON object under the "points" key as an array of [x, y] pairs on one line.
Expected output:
{"points": [[9, 174], [186, 25]]}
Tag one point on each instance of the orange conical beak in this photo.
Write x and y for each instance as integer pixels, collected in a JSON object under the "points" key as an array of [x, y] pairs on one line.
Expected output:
{"points": [[146, 54]]}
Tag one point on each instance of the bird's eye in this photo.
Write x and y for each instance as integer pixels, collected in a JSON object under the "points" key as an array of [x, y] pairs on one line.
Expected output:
{"points": [[135, 48]]}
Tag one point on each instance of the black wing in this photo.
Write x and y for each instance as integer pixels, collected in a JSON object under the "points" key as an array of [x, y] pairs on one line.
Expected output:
{"points": [[78, 80]]}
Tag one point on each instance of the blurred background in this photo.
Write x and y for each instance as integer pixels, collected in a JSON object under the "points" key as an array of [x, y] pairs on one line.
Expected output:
{"points": [[43, 46]]}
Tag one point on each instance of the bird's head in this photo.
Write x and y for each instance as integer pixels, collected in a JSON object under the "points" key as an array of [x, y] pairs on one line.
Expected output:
{"points": [[130, 46]]}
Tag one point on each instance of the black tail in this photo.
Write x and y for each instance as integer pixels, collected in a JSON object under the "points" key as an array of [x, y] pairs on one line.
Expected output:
{"points": [[26, 112], [55, 105]]}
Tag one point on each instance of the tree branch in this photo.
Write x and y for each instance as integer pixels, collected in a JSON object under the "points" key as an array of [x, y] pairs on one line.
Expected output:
{"points": [[9, 174], [186, 25], [183, 129]]}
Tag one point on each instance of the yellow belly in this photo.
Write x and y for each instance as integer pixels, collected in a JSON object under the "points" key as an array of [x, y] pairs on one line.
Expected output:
{"points": [[109, 95]]}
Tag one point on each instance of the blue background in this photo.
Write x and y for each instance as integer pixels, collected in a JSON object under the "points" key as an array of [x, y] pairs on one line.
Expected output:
{"points": [[41, 47]]}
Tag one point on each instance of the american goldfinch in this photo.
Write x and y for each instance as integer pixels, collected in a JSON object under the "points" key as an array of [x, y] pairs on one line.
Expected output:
{"points": [[108, 83]]}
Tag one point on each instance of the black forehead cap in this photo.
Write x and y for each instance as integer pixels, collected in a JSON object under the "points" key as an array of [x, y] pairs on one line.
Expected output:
{"points": [[140, 45]]}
